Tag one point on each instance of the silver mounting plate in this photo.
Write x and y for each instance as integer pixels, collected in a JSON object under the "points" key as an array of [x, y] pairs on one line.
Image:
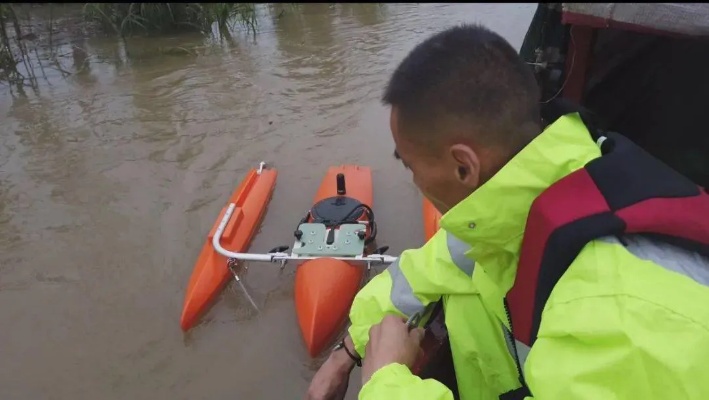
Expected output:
{"points": [[313, 241]]}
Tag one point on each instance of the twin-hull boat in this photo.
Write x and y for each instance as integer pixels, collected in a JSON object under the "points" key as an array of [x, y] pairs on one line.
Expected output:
{"points": [[331, 246]]}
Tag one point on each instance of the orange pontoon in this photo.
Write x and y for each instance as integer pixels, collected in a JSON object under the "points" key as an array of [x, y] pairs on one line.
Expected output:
{"points": [[340, 223], [211, 271]]}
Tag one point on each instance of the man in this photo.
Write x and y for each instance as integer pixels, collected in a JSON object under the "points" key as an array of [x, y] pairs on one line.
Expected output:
{"points": [[629, 318]]}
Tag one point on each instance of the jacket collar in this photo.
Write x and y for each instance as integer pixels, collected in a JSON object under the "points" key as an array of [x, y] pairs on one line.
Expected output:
{"points": [[492, 219]]}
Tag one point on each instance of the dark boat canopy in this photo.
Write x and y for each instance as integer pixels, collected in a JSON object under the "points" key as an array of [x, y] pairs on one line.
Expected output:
{"points": [[641, 69]]}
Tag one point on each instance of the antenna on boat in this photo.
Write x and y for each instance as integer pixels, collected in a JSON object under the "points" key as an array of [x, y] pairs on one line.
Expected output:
{"points": [[341, 184]]}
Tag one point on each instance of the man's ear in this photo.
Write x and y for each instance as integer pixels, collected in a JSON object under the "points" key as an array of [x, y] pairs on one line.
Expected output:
{"points": [[466, 165]]}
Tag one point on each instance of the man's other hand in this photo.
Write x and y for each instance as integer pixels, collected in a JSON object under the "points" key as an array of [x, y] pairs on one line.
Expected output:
{"points": [[390, 341]]}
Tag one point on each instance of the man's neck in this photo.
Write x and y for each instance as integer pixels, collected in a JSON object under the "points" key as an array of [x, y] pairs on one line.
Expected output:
{"points": [[492, 219]]}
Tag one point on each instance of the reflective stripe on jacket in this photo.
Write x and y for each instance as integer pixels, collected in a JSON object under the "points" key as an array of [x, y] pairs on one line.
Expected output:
{"points": [[629, 319]]}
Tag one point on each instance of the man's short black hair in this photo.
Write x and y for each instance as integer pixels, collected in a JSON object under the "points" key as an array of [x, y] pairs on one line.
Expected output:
{"points": [[469, 78]]}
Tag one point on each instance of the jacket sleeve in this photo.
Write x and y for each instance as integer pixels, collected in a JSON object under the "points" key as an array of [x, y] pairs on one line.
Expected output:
{"points": [[413, 283], [618, 347], [410, 285], [396, 382]]}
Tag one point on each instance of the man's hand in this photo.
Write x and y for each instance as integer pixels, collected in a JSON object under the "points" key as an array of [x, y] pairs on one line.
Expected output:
{"points": [[390, 341], [331, 380]]}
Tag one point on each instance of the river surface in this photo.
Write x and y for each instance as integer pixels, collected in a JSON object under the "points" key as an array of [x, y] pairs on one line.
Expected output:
{"points": [[111, 177]]}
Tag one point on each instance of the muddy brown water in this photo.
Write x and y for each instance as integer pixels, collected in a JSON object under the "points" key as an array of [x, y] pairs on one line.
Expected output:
{"points": [[110, 178]]}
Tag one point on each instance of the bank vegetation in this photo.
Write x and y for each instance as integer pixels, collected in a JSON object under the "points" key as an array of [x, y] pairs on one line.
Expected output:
{"points": [[19, 63]]}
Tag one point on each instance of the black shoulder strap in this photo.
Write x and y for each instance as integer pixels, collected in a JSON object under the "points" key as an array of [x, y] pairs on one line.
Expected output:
{"points": [[558, 107]]}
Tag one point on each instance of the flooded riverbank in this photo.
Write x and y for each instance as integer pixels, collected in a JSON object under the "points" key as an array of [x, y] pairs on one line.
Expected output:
{"points": [[111, 177]]}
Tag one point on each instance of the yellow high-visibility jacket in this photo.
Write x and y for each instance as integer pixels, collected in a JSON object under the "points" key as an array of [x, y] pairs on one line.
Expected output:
{"points": [[625, 321]]}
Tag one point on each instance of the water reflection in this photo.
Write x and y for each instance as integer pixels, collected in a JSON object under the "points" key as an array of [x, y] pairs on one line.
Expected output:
{"points": [[366, 14], [305, 27]]}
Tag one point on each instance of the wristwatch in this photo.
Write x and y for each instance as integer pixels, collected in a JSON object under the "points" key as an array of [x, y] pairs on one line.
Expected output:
{"points": [[341, 345]]}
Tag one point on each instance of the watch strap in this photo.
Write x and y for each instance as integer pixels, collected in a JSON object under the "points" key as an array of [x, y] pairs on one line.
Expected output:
{"points": [[342, 345]]}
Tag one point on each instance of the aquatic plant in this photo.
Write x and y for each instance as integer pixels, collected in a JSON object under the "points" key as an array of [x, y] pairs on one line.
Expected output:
{"points": [[27, 49], [13, 52], [127, 19], [28, 45]]}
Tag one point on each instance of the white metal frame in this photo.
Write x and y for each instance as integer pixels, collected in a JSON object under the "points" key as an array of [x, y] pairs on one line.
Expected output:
{"points": [[283, 258]]}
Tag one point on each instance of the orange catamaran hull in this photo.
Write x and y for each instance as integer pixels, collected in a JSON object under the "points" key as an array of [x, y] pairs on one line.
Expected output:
{"points": [[210, 272], [325, 287]]}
